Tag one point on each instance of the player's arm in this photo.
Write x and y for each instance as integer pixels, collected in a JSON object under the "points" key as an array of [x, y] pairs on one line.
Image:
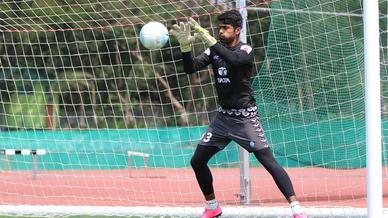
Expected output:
{"points": [[235, 58], [192, 65]]}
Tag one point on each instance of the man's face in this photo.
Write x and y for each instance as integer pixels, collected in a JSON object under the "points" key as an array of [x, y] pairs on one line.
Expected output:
{"points": [[228, 33]]}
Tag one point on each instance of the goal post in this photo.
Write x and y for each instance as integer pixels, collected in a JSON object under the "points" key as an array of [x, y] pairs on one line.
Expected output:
{"points": [[230, 212], [245, 181], [373, 109]]}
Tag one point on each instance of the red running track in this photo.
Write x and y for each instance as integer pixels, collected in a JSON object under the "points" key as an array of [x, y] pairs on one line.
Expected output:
{"points": [[177, 187]]}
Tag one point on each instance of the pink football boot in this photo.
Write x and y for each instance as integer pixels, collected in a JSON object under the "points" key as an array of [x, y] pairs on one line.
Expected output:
{"points": [[212, 213], [300, 215]]}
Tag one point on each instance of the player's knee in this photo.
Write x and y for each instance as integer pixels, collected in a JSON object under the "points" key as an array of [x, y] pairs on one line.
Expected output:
{"points": [[266, 158], [202, 156], [196, 162]]}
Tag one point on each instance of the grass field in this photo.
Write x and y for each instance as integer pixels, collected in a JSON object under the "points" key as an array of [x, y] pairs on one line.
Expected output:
{"points": [[83, 217]]}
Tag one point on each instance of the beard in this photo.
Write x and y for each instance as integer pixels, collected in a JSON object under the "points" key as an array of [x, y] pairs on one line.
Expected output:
{"points": [[226, 40]]}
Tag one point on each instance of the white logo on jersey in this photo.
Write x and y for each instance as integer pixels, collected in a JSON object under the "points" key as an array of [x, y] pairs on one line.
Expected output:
{"points": [[223, 80], [207, 52], [222, 71], [246, 48]]}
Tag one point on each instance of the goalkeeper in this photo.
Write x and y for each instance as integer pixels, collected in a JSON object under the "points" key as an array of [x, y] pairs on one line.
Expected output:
{"points": [[237, 118]]}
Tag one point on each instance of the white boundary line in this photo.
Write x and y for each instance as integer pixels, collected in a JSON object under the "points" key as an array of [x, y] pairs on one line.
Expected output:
{"points": [[50, 210]]}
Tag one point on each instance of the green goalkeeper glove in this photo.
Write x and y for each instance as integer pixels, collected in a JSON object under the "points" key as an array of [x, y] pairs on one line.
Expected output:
{"points": [[183, 35], [202, 33]]}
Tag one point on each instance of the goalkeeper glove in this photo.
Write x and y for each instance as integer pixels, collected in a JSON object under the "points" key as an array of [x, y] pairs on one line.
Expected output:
{"points": [[202, 33], [183, 35]]}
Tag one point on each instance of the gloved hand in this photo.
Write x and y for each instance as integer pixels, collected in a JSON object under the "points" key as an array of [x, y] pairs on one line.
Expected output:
{"points": [[183, 35], [202, 33]]}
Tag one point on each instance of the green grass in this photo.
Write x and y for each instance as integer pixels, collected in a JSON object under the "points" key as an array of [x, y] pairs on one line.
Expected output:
{"points": [[86, 217], [67, 217]]}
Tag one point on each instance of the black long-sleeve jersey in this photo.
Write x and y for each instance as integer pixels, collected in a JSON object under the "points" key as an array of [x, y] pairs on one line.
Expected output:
{"points": [[232, 67]]}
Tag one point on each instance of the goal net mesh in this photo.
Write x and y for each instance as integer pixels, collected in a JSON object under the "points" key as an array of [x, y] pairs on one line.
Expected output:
{"points": [[119, 122]]}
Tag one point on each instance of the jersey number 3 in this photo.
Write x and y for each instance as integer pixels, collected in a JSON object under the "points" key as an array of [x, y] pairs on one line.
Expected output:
{"points": [[206, 137]]}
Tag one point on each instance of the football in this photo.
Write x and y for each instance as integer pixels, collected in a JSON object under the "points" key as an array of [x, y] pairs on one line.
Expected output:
{"points": [[153, 35]]}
